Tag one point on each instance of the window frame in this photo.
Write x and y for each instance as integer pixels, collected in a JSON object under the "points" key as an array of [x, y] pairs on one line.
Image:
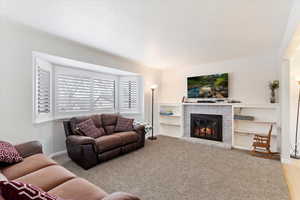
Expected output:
{"points": [[54, 63]]}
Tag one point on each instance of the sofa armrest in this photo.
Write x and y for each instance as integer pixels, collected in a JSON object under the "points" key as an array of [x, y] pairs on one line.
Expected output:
{"points": [[81, 149], [29, 148], [80, 140], [121, 196], [140, 129]]}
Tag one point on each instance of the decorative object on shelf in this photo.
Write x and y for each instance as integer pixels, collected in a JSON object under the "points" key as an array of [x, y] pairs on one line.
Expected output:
{"points": [[295, 150], [206, 101], [167, 113], [233, 101], [147, 126], [153, 87], [273, 85], [243, 117], [220, 100], [183, 99]]}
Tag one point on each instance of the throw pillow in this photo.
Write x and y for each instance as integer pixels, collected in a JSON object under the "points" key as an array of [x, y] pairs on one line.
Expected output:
{"points": [[8, 153], [124, 124], [89, 129], [21, 191]]}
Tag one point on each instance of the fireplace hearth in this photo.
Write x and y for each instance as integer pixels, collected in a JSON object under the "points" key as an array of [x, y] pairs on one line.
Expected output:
{"points": [[206, 126]]}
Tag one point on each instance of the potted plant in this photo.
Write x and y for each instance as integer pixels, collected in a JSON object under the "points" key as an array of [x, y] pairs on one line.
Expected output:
{"points": [[273, 85]]}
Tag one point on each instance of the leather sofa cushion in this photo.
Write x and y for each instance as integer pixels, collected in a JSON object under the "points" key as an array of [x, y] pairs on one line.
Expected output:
{"points": [[89, 129], [97, 120], [108, 142], [47, 178], [109, 129], [128, 137], [28, 165], [124, 124], [78, 189], [109, 119]]}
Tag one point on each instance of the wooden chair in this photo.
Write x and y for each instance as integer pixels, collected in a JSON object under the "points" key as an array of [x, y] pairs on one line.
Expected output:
{"points": [[262, 143]]}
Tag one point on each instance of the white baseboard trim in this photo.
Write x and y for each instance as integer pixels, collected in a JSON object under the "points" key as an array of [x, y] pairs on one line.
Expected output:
{"points": [[58, 153]]}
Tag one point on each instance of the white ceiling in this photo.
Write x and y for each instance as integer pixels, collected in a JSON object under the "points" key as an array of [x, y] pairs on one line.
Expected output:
{"points": [[161, 33]]}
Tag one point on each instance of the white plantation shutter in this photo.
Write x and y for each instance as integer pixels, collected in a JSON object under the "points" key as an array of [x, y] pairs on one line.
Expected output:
{"points": [[104, 94], [129, 94], [73, 93], [43, 90], [43, 101], [79, 91]]}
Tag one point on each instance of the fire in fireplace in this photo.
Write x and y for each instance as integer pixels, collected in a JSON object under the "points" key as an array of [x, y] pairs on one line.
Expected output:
{"points": [[206, 126]]}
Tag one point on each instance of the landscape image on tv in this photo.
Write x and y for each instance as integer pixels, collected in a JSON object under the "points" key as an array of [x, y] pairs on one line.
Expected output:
{"points": [[210, 86]]}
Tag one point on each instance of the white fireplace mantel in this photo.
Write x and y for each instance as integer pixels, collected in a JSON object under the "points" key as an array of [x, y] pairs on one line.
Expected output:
{"points": [[236, 133], [230, 128]]}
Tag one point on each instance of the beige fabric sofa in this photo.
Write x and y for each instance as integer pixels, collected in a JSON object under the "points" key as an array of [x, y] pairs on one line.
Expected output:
{"points": [[39, 170]]}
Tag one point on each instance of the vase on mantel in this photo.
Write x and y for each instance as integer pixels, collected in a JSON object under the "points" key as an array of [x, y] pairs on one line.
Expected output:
{"points": [[273, 98], [273, 85]]}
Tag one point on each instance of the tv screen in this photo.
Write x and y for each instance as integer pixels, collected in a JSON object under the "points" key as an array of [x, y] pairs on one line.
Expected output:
{"points": [[210, 86]]}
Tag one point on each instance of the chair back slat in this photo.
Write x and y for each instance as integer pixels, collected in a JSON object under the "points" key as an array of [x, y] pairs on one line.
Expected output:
{"points": [[270, 133]]}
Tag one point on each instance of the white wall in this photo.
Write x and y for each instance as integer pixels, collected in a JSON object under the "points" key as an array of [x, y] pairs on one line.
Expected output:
{"points": [[285, 111], [17, 43], [294, 94], [248, 78]]}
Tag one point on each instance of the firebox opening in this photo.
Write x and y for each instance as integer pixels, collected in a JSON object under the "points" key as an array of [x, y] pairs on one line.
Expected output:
{"points": [[206, 126]]}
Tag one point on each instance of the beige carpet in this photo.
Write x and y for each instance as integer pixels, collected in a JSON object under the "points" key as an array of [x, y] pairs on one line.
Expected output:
{"points": [[174, 169]]}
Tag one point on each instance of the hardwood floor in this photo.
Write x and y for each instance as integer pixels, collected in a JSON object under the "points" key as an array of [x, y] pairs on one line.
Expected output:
{"points": [[292, 175]]}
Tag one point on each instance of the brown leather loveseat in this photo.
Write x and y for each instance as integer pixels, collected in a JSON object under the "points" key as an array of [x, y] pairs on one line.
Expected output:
{"points": [[88, 152]]}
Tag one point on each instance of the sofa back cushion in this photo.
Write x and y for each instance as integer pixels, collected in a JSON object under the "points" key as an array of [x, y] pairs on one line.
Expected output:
{"points": [[109, 119], [89, 129], [97, 120], [124, 124], [109, 129], [109, 122], [9, 154]]}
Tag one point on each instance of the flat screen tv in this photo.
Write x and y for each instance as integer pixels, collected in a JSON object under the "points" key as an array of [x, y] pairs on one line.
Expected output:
{"points": [[209, 87]]}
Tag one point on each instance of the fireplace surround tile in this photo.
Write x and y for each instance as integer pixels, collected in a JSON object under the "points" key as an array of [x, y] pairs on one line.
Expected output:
{"points": [[224, 110]]}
